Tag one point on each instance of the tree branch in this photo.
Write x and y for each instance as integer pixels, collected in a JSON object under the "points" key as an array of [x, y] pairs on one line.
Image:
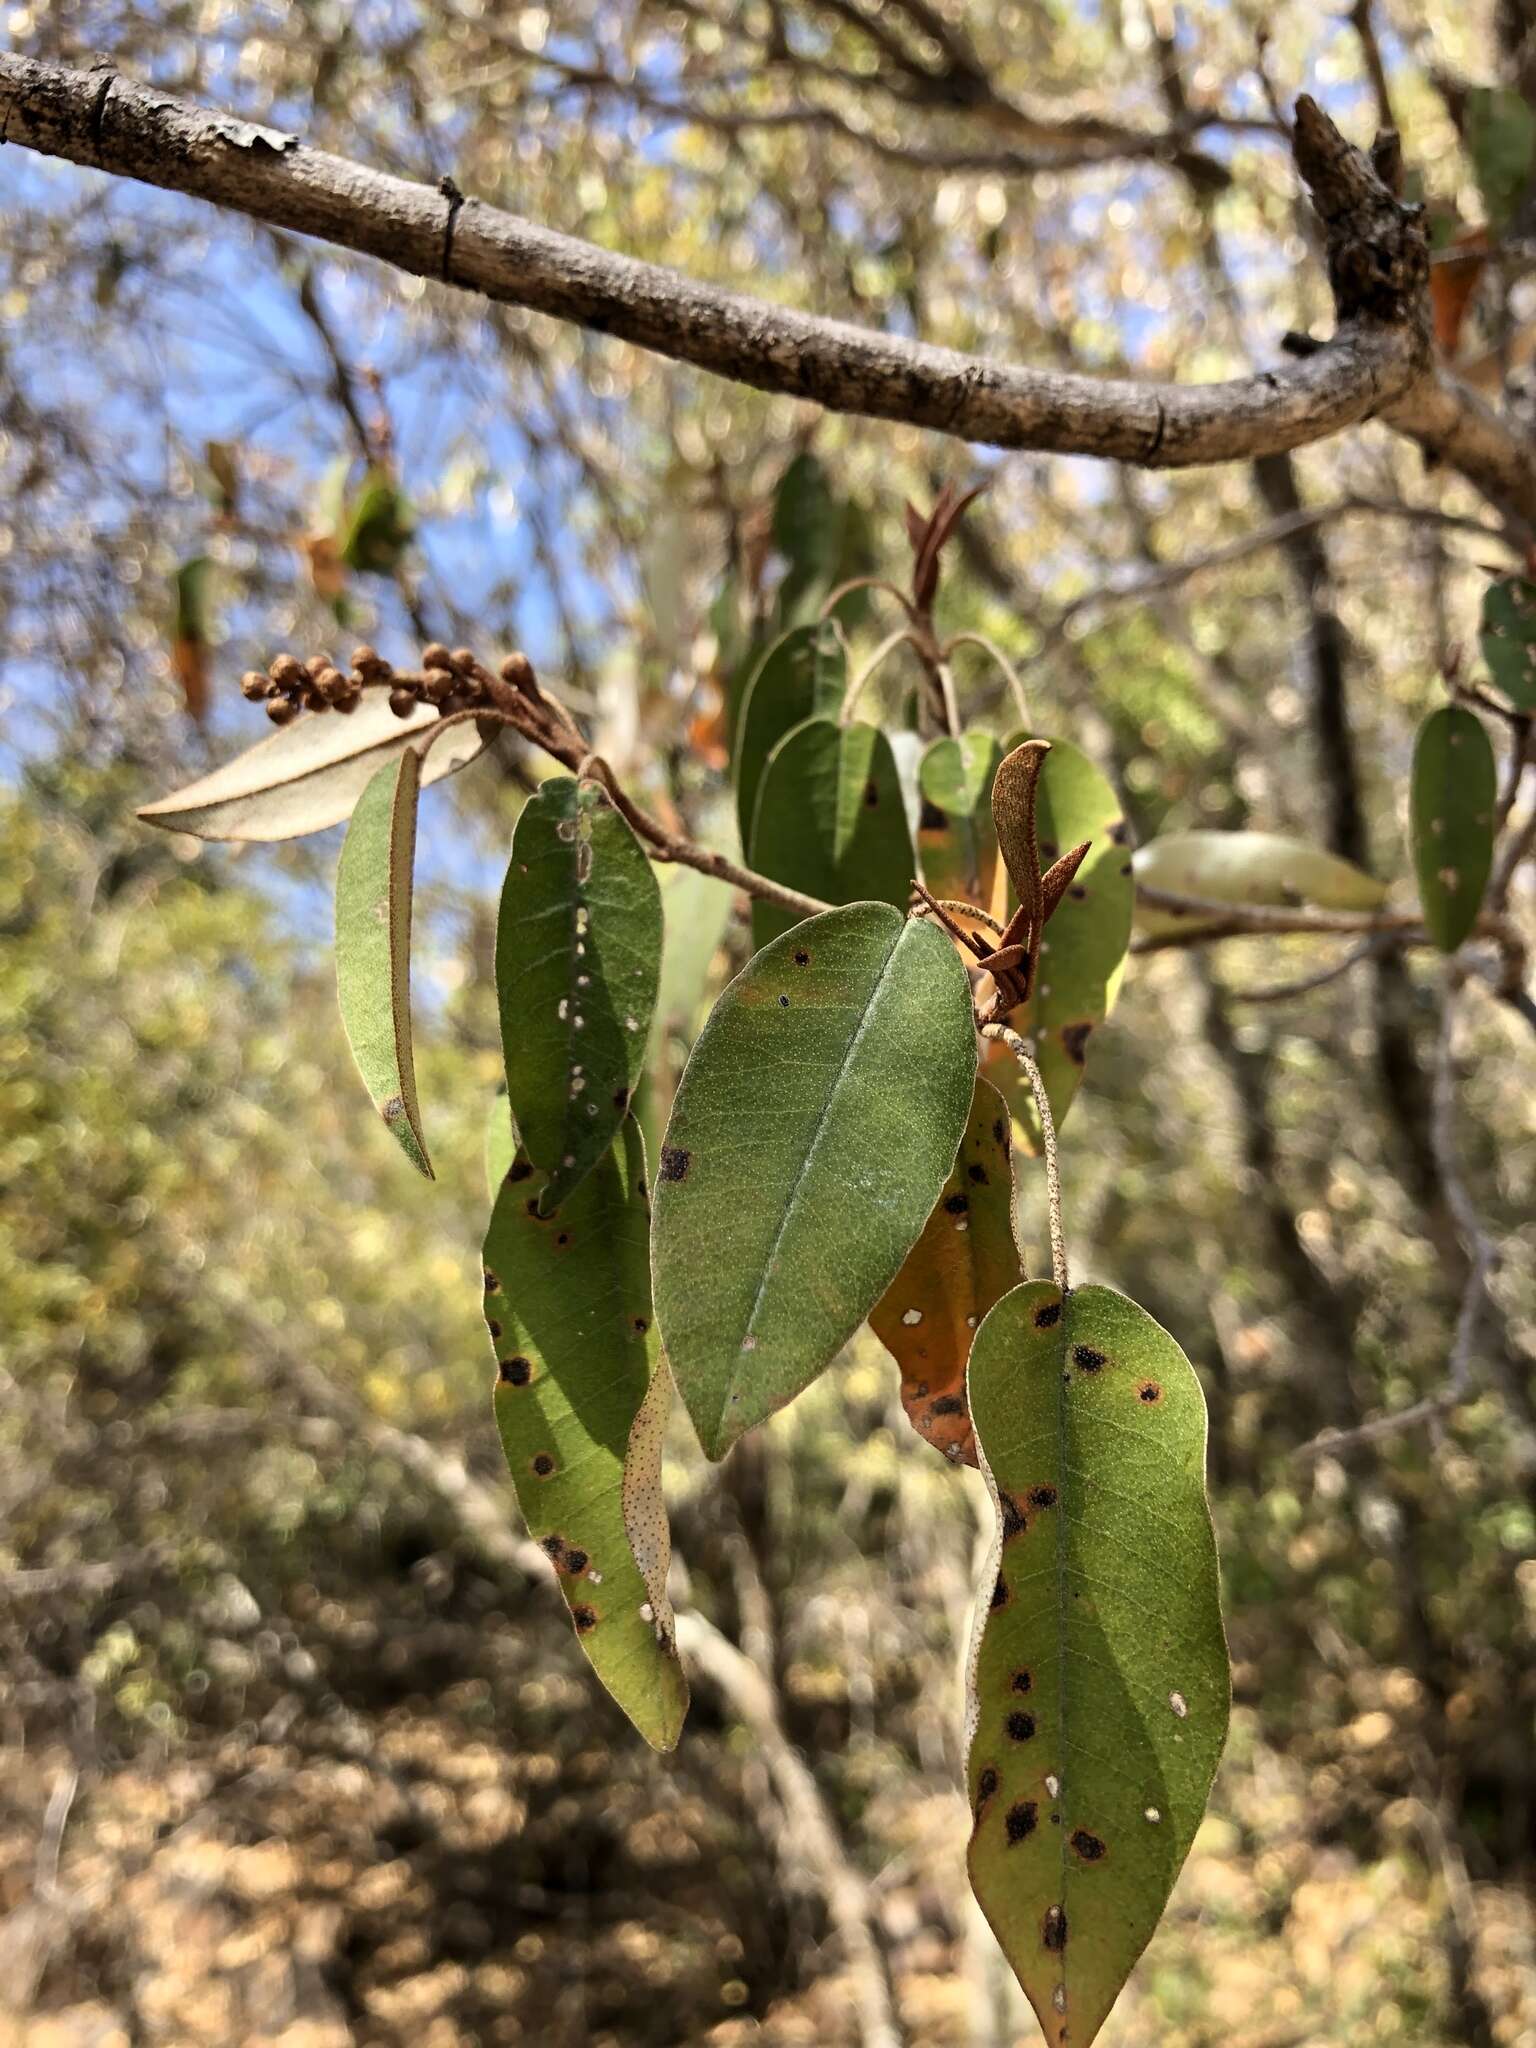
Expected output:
{"points": [[1376, 249]]}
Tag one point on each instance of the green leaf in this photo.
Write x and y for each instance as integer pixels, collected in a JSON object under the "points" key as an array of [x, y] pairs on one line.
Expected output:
{"points": [[802, 675], [192, 588], [814, 1127], [500, 1143], [373, 946], [831, 822], [807, 530], [1247, 867], [567, 1303], [957, 843], [1098, 1691], [966, 1259], [1509, 638], [1083, 954], [578, 957], [311, 773], [1500, 131], [956, 774], [379, 526], [1454, 790]]}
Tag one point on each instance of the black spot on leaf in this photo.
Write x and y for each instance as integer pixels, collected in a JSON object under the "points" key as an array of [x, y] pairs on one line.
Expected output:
{"points": [[1088, 1360], [1088, 1846], [1074, 1042], [1047, 1315], [1042, 1496], [999, 1130], [1020, 1726], [978, 1175], [1150, 1392], [783, 1002], [948, 1404], [641, 1326], [674, 1162], [1015, 1521], [956, 1205], [871, 794], [621, 1098], [1000, 1595], [520, 1169], [543, 1465], [802, 958], [553, 1547], [584, 1618], [495, 1330], [492, 1284], [1022, 1680], [515, 1372], [1053, 1929], [576, 1562], [931, 818], [564, 1238], [986, 1788], [1019, 1821], [1077, 892]]}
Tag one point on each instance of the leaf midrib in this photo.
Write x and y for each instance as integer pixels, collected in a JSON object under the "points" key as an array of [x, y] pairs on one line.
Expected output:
{"points": [[816, 1137]]}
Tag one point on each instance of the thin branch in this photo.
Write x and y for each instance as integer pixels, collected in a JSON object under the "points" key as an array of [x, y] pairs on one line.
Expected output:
{"points": [[1377, 358], [1006, 1036]]}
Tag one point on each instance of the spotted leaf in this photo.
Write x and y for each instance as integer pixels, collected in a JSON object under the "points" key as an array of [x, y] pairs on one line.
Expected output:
{"points": [[813, 1130], [1509, 638], [831, 822], [578, 960], [373, 946], [966, 1259], [1453, 794], [1098, 1688], [802, 675], [1083, 953], [568, 1307]]}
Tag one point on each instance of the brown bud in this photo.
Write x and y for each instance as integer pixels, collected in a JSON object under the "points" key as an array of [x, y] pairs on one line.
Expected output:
{"points": [[254, 686], [439, 684], [348, 701], [332, 684], [312, 698], [517, 669], [281, 710], [463, 659], [366, 659], [456, 700], [317, 665], [402, 701], [436, 656], [501, 695], [284, 671]]}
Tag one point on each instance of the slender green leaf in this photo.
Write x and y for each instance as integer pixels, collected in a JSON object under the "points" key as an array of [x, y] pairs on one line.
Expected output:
{"points": [[802, 675], [1247, 867], [807, 530], [374, 880], [816, 1122], [500, 1143], [311, 773], [379, 526], [1083, 954], [966, 1259], [578, 958], [1509, 638], [1451, 810], [568, 1306], [1098, 1691], [831, 822], [192, 588]]}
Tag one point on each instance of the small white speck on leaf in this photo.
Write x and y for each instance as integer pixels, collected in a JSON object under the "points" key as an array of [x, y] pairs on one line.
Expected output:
{"points": [[912, 1318], [1179, 1704]]}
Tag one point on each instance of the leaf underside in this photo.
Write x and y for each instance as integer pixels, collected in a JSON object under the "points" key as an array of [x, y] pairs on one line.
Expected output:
{"points": [[311, 773], [567, 1303], [373, 946], [1083, 953], [802, 675], [1247, 867], [813, 1129], [578, 960], [966, 1259], [1453, 792], [830, 822], [1098, 1688]]}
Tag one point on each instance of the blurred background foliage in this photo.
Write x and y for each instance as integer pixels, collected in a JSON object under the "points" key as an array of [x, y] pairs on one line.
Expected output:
{"points": [[294, 1744]]}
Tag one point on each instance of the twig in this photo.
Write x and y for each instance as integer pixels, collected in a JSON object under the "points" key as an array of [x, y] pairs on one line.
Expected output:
{"points": [[1005, 1035], [1284, 991], [1015, 682], [856, 683]]}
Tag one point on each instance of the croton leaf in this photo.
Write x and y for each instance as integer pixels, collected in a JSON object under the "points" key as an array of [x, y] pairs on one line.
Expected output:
{"points": [[1452, 798], [1098, 1688], [578, 958], [1509, 638], [966, 1259], [310, 774], [814, 1127], [1083, 953], [802, 675], [1246, 867], [568, 1307], [830, 822], [374, 880]]}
